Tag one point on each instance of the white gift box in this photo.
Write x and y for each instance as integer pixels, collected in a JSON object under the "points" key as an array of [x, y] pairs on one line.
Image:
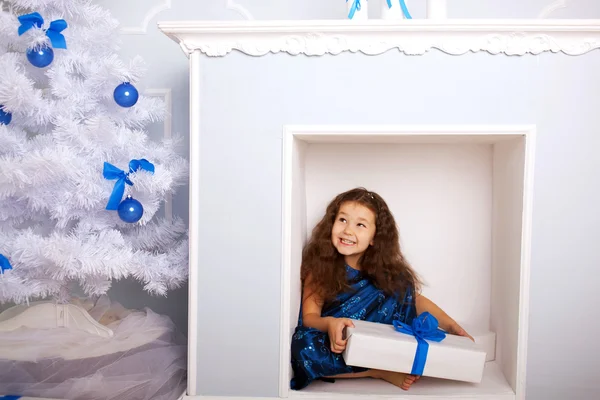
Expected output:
{"points": [[394, 13], [380, 346], [360, 14]]}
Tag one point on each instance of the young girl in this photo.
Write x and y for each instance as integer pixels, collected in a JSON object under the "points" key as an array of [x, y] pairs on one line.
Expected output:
{"points": [[353, 268]]}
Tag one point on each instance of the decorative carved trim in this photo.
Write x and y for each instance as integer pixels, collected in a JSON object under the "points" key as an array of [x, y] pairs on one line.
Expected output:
{"points": [[165, 94], [413, 37], [142, 29], [238, 8], [554, 6]]}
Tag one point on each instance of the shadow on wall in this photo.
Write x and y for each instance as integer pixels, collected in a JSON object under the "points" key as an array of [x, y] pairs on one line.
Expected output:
{"points": [[131, 294]]}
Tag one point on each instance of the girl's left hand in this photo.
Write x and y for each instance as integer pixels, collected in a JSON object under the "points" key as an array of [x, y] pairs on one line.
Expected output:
{"points": [[456, 329]]}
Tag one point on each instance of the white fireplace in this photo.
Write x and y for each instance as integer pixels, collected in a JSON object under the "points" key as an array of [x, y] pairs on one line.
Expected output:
{"points": [[461, 192]]}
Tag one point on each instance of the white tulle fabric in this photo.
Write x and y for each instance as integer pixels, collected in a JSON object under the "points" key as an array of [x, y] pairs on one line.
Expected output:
{"points": [[145, 359]]}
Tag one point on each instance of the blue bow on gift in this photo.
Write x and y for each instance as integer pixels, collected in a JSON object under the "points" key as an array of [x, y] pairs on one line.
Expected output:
{"points": [[423, 328], [9, 397], [4, 264], [403, 6], [112, 172], [57, 39], [355, 7]]}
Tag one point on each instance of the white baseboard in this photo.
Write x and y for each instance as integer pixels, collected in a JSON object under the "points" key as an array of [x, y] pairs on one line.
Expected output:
{"points": [[226, 398], [323, 396]]}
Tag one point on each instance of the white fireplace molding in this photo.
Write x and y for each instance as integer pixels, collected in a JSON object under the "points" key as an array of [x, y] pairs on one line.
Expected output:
{"points": [[413, 37]]}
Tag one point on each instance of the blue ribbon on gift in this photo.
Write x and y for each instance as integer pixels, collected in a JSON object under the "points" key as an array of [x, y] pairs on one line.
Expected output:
{"points": [[355, 7], [423, 328], [112, 172], [4, 264], [57, 39], [403, 6], [9, 397]]}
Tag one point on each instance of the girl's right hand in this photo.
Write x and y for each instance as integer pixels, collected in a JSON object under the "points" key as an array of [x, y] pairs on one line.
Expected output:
{"points": [[335, 330]]}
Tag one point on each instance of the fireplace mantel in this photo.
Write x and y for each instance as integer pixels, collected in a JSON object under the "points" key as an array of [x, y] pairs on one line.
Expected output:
{"points": [[413, 37]]}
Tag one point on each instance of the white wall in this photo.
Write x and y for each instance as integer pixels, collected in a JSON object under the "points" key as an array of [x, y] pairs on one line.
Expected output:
{"points": [[441, 197], [557, 92]]}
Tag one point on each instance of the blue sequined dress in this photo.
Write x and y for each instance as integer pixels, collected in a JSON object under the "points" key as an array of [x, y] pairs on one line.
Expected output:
{"points": [[311, 352]]}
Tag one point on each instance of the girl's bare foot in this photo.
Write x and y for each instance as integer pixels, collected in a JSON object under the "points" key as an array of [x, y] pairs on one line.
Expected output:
{"points": [[403, 381]]}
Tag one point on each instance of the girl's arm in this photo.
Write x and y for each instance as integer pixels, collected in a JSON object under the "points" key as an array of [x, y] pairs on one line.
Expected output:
{"points": [[312, 306], [445, 322]]}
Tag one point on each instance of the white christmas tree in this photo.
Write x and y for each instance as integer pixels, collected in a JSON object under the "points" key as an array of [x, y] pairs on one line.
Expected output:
{"points": [[72, 151]]}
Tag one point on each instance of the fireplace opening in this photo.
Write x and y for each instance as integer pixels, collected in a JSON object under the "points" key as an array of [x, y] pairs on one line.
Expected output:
{"points": [[461, 198]]}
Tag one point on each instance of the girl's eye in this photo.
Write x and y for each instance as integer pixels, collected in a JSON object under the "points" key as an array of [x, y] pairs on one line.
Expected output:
{"points": [[363, 225], [342, 219]]}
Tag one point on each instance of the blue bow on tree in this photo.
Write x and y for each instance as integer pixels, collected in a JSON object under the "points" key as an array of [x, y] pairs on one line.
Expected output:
{"points": [[423, 328], [112, 172], [355, 7], [4, 264], [403, 6], [57, 39]]}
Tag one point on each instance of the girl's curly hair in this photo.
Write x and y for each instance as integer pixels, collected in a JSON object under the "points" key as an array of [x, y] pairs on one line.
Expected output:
{"points": [[383, 262]]}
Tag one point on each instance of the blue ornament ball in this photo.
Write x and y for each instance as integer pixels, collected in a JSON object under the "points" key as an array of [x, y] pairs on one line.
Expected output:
{"points": [[41, 57], [126, 95], [130, 210], [5, 117]]}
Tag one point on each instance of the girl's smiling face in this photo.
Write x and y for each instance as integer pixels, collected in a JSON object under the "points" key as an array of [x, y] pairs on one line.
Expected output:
{"points": [[353, 231]]}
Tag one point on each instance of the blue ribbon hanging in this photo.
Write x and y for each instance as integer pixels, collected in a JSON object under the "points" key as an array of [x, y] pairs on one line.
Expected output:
{"points": [[402, 6], [4, 264], [423, 328], [57, 39], [111, 172], [355, 7]]}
